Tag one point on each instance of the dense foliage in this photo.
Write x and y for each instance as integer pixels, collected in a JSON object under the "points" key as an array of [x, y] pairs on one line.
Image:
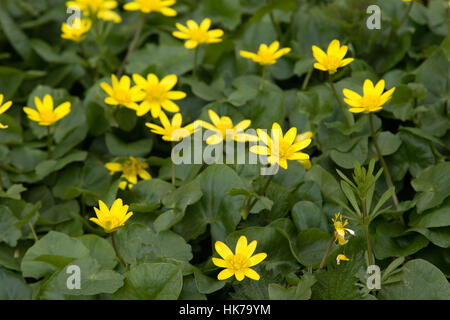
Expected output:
{"points": [[52, 176]]}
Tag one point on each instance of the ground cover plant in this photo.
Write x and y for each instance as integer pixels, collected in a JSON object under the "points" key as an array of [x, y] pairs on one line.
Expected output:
{"points": [[100, 197]]}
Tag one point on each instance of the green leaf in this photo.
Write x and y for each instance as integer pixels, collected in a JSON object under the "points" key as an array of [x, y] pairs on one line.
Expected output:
{"points": [[420, 280], [9, 233], [13, 286], [119, 148], [432, 185], [388, 142], [206, 284], [100, 249], [328, 185], [227, 12], [216, 208], [151, 281], [306, 214], [55, 244], [147, 195], [138, 243]]}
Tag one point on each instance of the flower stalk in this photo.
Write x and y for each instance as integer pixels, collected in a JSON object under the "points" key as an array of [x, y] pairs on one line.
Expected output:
{"points": [[383, 163], [113, 240], [327, 252], [263, 78], [132, 46], [49, 143], [348, 117], [194, 70]]}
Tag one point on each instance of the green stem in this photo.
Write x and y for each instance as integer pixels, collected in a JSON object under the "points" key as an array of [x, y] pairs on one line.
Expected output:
{"points": [[173, 169], [49, 143], [276, 25], [194, 71], [132, 47], [327, 252], [366, 223], [307, 77], [348, 116], [33, 231], [261, 192], [263, 78], [400, 23], [383, 163], [113, 240]]}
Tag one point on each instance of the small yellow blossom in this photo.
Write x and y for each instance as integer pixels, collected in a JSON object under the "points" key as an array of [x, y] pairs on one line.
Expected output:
{"points": [[339, 226], [3, 108], [238, 264], [333, 59], [111, 220], [305, 135], [147, 6], [371, 101], [281, 148], [158, 94], [78, 30], [171, 131], [195, 34], [101, 9], [45, 115], [224, 129], [131, 169], [340, 258], [121, 92], [266, 55]]}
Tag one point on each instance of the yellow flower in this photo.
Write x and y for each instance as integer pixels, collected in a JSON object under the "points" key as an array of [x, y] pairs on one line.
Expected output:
{"points": [[371, 101], [102, 9], [238, 264], [3, 109], [45, 115], [147, 6], [224, 129], [111, 220], [301, 137], [266, 55], [339, 226], [195, 34], [131, 168], [171, 131], [121, 94], [341, 257], [281, 148], [157, 94], [78, 30], [333, 59]]}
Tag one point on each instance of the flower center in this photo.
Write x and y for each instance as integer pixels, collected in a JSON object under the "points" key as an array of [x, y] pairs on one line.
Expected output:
{"points": [[156, 93], [224, 125], [47, 116], [110, 222], [199, 35], [130, 168], [238, 262], [150, 5], [332, 63], [123, 96], [370, 101]]}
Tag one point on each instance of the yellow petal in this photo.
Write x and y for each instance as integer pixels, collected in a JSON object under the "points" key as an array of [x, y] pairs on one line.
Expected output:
{"points": [[257, 258], [223, 250], [225, 274], [252, 274]]}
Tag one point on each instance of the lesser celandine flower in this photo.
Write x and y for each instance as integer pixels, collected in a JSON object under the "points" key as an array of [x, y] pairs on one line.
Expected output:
{"points": [[3, 108], [121, 92], [281, 148], [339, 226], [171, 131], [341, 257], [131, 169], [238, 264], [301, 137], [266, 55], [333, 59], [101, 9], [372, 100], [147, 6], [197, 34], [111, 220], [158, 94], [225, 131], [76, 32], [45, 115]]}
